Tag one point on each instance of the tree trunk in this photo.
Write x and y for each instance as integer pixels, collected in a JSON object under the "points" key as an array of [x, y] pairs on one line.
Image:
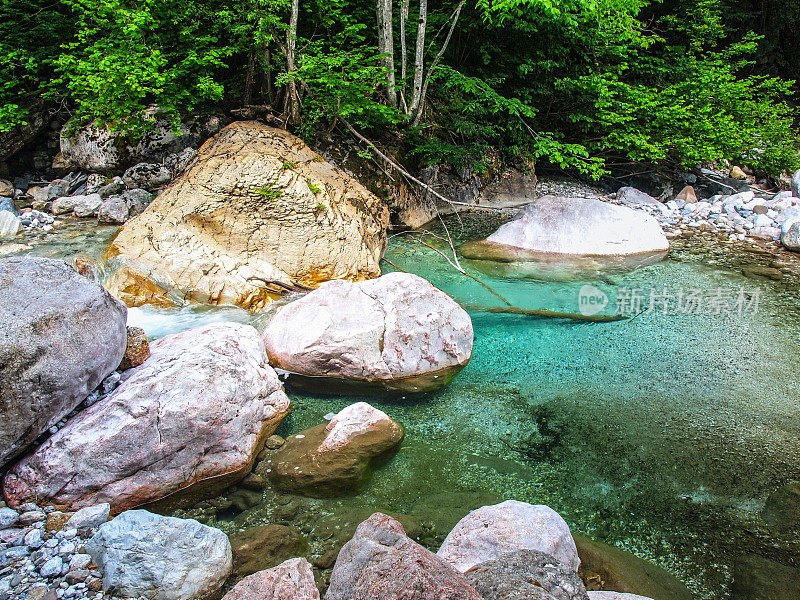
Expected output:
{"points": [[419, 57], [386, 47], [421, 100], [403, 52], [292, 96], [248, 84]]}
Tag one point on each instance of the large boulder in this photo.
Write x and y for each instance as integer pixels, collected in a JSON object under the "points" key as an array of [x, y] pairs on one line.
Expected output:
{"points": [[782, 508], [395, 333], [574, 230], [618, 570], [334, 458], [290, 580], [9, 224], [526, 575], [382, 562], [197, 411], [102, 150], [492, 531], [60, 336], [161, 558], [759, 578], [256, 204]]}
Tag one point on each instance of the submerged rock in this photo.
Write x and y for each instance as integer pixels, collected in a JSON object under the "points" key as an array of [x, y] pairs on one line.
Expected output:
{"points": [[60, 335], [782, 509], [334, 458], [259, 548], [489, 532], [382, 562], [616, 596], [196, 412], [526, 575], [574, 232], [758, 578], [161, 558], [616, 569], [396, 333], [255, 204], [290, 580]]}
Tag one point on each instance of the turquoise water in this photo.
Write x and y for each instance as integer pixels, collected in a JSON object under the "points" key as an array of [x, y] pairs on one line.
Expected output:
{"points": [[662, 434]]}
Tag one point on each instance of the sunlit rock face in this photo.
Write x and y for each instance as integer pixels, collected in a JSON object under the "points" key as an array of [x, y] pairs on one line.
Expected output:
{"points": [[556, 234], [255, 204]]}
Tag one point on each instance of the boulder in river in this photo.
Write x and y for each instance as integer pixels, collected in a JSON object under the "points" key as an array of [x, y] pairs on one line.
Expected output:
{"points": [[256, 204], [290, 580], [396, 333], [9, 224], [615, 569], [60, 336], [196, 413], [526, 575], [137, 349], [161, 558], [114, 211], [265, 546], [492, 531], [334, 458], [790, 234], [583, 233], [382, 562]]}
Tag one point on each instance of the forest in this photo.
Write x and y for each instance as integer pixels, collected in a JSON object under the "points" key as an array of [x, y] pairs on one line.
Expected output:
{"points": [[590, 86]]}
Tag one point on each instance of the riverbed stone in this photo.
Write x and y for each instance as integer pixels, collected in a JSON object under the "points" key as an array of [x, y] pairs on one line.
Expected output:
{"points": [[8, 517], [555, 226], [688, 195], [382, 562], [87, 205], [290, 580], [194, 415], [137, 349], [635, 198], [162, 558], [526, 575], [255, 204], [396, 333], [782, 508], [137, 200], [615, 569], [90, 517], [113, 211], [796, 184], [333, 458], [146, 176], [60, 335], [790, 234], [9, 224], [265, 546], [491, 531]]}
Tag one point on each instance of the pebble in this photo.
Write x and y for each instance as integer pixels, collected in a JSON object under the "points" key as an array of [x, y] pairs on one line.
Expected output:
{"points": [[52, 568], [8, 518]]}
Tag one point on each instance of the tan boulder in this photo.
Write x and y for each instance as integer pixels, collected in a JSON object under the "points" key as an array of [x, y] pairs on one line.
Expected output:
{"points": [[255, 204]]}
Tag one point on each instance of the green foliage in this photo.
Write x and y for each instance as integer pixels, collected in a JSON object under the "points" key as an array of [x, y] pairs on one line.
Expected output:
{"points": [[315, 189], [269, 192], [288, 165]]}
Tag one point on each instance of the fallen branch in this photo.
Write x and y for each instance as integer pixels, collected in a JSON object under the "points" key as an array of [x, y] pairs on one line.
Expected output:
{"points": [[285, 287], [550, 314]]}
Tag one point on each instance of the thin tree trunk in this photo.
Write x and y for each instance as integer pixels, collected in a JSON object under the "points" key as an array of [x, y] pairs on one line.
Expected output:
{"points": [[268, 75], [386, 47], [293, 97], [403, 52], [419, 56], [421, 104], [248, 85]]}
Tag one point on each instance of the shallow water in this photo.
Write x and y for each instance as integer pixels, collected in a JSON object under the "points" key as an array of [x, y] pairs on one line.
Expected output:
{"points": [[662, 434]]}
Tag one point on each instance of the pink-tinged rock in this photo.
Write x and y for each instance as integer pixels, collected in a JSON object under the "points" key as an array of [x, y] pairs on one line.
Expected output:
{"points": [[334, 458], [290, 580], [489, 532], [200, 408], [397, 331], [382, 562]]}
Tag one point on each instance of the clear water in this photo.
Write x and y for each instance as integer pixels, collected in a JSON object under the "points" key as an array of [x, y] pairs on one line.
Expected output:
{"points": [[661, 434]]}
